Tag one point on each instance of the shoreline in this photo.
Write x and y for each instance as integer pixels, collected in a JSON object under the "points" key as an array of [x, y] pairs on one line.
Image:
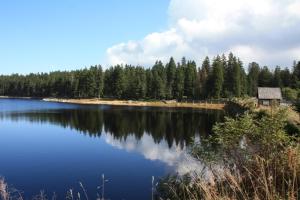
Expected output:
{"points": [[134, 103], [113, 102], [10, 97]]}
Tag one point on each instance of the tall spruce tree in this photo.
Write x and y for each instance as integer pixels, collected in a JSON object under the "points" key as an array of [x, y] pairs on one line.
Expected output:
{"points": [[265, 78], [190, 79], [253, 74], [118, 81], [171, 75], [296, 75], [179, 82], [204, 73], [159, 80], [228, 76], [217, 78], [286, 77], [244, 81], [277, 77], [236, 81]]}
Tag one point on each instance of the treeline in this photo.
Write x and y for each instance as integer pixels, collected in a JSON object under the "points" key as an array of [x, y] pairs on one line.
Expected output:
{"points": [[223, 77]]}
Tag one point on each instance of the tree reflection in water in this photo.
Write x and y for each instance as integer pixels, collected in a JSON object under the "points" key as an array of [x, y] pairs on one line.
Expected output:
{"points": [[175, 126]]}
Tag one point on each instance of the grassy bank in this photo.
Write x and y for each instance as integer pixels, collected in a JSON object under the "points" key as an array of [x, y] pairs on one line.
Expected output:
{"points": [[113, 102], [252, 156]]}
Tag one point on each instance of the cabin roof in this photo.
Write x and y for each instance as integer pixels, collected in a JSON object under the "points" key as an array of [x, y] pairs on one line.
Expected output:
{"points": [[269, 93]]}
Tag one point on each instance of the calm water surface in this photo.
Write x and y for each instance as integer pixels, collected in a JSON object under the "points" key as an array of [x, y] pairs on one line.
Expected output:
{"points": [[54, 146]]}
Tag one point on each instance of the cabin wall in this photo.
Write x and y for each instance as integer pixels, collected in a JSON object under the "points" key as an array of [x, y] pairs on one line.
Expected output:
{"points": [[268, 102]]}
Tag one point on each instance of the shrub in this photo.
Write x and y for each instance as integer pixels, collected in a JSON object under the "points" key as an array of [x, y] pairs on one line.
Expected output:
{"points": [[258, 160]]}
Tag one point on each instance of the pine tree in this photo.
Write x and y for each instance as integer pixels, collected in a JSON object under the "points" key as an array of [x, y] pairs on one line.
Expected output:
{"points": [[217, 78], [265, 78], [244, 82], [179, 82], [286, 77], [253, 74], [204, 73], [296, 75], [236, 74], [119, 82], [190, 79], [159, 80], [228, 76], [277, 77], [171, 75]]}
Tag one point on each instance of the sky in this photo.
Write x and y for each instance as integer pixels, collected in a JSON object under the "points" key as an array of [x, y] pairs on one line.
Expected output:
{"points": [[43, 36]]}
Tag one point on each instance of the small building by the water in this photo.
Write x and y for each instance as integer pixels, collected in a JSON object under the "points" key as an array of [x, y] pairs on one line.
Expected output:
{"points": [[268, 96]]}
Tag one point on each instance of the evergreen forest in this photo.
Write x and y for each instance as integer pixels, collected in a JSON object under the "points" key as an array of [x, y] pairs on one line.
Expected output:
{"points": [[221, 77]]}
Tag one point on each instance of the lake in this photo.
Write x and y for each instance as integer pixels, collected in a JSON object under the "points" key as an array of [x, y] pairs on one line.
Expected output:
{"points": [[54, 146]]}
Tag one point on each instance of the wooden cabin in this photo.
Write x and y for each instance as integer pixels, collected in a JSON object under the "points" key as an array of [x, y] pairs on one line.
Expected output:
{"points": [[268, 96]]}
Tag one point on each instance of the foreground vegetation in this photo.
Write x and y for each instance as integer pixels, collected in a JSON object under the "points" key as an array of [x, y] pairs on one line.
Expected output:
{"points": [[252, 156], [223, 77]]}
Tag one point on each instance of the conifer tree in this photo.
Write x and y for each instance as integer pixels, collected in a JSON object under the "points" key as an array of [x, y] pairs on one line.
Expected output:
{"points": [[253, 74], [171, 75], [277, 77], [236, 81], [179, 82], [217, 78], [159, 80], [265, 78], [190, 79], [286, 77], [204, 72]]}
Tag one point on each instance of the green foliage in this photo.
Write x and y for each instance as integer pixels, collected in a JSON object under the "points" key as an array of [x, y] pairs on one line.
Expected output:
{"points": [[262, 134], [290, 94], [265, 77], [235, 84], [190, 80], [253, 78], [179, 82], [296, 75], [171, 74], [224, 78], [277, 82], [203, 78], [258, 160], [216, 78]]}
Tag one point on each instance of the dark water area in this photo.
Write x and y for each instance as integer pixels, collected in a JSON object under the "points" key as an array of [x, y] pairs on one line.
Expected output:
{"points": [[54, 146]]}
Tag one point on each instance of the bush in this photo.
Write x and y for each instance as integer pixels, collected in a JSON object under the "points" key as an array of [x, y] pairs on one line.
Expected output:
{"points": [[290, 94], [257, 159]]}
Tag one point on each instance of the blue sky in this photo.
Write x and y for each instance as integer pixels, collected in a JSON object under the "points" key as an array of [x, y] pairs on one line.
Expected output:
{"points": [[48, 35], [42, 36]]}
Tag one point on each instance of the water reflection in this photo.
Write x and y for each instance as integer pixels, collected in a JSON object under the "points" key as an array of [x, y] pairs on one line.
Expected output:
{"points": [[175, 127], [157, 134], [73, 143]]}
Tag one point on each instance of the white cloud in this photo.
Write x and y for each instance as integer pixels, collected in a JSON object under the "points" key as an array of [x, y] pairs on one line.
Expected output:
{"points": [[265, 31], [175, 157]]}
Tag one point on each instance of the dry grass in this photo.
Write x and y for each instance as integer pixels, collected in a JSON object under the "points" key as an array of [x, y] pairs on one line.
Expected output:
{"points": [[266, 166], [293, 116], [170, 104], [259, 180], [4, 194], [9, 193]]}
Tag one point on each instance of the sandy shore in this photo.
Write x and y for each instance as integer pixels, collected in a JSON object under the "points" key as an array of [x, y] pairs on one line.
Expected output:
{"points": [[9, 97], [170, 104]]}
